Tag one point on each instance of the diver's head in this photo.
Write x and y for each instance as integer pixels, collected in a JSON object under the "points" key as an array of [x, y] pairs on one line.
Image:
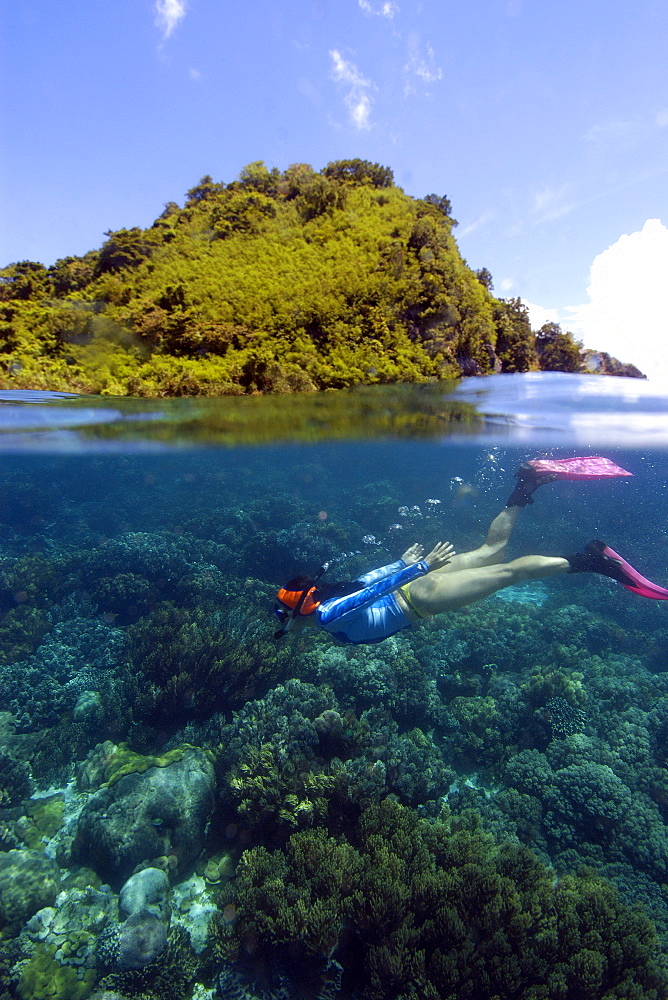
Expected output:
{"points": [[295, 601]]}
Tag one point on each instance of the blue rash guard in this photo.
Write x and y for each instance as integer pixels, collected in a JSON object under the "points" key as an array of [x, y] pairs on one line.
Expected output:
{"points": [[371, 613]]}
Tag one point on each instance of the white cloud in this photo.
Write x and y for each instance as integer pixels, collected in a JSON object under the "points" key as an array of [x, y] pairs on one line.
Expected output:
{"points": [[168, 13], [384, 9], [626, 314], [538, 315], [358, 99], [421, 64]]}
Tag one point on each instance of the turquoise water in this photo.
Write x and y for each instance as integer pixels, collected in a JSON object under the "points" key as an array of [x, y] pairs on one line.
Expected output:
{"points": [[406, 819]]}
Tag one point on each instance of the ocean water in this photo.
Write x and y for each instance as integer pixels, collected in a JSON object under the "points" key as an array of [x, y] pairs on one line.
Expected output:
{"points": [[474, 807]]}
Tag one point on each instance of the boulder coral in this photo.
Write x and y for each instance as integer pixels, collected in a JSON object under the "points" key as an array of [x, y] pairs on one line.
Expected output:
{"points": [[161, 812]]}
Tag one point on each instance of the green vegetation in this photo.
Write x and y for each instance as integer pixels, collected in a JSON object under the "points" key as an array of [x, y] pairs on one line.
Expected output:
{"points": [[277, 282]]}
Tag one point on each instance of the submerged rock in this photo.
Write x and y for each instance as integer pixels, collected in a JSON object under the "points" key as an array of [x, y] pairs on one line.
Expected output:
{"points": [[147, 892], [142, 939], [159, 813]]}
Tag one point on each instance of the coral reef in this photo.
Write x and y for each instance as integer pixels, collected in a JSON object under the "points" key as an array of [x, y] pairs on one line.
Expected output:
{"points": [[15, 783], [437, 813], [169, 976], [198, 662], [147, 891], [292, 760], [28, 881], [440, 910]]}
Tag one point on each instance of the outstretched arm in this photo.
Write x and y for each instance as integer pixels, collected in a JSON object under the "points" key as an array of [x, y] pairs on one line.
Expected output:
{"points": [[440, 555], [413, 554]]}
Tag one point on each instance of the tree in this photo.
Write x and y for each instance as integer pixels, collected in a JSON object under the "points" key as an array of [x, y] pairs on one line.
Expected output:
{"points": [[256, 175], [515, 342], [71, 274], [441, 202], [204, 191], [25, 280], [360, 172], [125, 248], [558, 351], [485, 278]]}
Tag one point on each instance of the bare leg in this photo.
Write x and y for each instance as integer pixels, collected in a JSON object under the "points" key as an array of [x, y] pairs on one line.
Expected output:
{"points": [[492, 550], [440, 591]]}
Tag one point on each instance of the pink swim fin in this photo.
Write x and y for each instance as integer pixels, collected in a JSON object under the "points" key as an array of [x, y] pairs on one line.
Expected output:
{"points": [[600, 558], [589, 467], [539, 471], [635, 581]]}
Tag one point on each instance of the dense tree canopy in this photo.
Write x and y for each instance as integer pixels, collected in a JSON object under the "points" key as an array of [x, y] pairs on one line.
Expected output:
{"points": [[276, 282]]}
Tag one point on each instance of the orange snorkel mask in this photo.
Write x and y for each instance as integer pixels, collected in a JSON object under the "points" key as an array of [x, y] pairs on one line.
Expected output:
{"points": [[300, 602]]}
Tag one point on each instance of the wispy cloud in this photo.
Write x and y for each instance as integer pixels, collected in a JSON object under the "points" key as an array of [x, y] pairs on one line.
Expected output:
{"points": [[627, 131], [384, 9], [614, 131], [471, 227], [168, 13], [421, 64], [358, 98], [553, 203]]}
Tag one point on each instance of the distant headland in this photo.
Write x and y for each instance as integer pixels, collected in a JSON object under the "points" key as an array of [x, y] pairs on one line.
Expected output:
{"points": [[280, 281]]}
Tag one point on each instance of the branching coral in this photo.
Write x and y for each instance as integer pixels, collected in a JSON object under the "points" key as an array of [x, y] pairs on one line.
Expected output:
{"points": [[292, 760], [441, 911], [296, 897], [197, 665], [14, 780]]}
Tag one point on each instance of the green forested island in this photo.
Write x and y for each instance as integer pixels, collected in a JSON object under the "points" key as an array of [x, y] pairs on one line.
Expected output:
{"points": [[277, 282]]}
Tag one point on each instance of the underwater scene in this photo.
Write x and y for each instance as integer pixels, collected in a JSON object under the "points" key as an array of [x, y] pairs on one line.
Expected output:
{"points": [[203, 797]]}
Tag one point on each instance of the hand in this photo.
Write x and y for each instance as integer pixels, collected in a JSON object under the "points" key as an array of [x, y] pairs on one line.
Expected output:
{"points": [[413, 554], [440, 555]]}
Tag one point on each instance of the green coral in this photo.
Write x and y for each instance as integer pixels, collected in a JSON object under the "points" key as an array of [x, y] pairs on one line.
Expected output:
{"points": [[21, 632], [43, 977], [441, 911], [482, 739], [296, 897], [194, 663], [125, 761], [14, 780], [44, 817], [279, 797]]}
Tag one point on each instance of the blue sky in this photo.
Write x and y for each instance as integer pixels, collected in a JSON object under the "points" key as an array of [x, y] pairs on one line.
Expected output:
{"points": [[544, 121]]}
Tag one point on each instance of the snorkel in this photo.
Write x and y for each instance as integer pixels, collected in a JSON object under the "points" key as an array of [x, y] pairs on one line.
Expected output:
{"points": [[301, 605]]}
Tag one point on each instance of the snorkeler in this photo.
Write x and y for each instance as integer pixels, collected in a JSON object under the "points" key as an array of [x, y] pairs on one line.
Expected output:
{"points": [[386, 600]]}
